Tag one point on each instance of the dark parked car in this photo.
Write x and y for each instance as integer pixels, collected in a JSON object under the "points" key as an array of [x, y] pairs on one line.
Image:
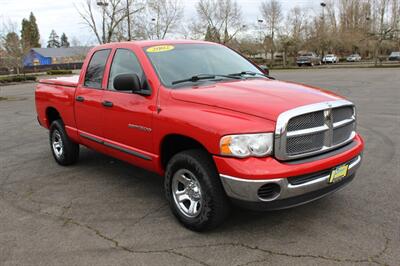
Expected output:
{"points": [[309, 59], [394, 56]]}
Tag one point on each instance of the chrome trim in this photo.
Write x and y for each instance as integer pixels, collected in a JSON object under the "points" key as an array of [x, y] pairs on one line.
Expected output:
{"points": [[281, 132], [130, 152], [307, 131], [91, 138], [139, 127], [343, 122], [247, 189], [116, 147]]}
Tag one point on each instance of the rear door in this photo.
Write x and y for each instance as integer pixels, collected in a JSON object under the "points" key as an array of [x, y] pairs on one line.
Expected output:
{"points": [[89, 111], [128, 118]]}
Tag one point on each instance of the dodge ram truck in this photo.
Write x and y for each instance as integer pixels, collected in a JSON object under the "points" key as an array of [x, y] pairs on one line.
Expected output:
{"points": [[214, 124]]}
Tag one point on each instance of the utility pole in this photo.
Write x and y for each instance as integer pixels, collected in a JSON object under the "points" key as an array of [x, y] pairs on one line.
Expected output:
{"points": [[128, 17], [103, 5], [323, 5], [260, 22], [153, 22]]}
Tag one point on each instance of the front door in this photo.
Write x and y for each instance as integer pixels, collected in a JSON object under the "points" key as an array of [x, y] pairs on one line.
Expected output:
{"points": [[128, 116]]}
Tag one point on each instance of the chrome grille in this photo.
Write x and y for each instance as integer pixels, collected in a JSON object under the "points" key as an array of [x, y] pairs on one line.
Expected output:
{"points": [[307, 143], [341, 134], [342, 113], [306, 121], [313, 129]]}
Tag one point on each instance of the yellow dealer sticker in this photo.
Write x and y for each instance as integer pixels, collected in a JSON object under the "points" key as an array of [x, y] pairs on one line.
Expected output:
{"points": [[160, 48]]}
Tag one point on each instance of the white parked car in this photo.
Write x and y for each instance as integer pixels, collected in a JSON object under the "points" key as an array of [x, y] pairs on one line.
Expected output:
{"points": [[353, 58], [330, 58]]}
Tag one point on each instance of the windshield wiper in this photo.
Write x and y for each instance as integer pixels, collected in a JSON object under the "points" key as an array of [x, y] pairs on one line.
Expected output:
{"points": [[251, 73], [204, 76]]}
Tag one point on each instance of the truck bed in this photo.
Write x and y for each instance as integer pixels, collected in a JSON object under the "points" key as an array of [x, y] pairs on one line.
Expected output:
{"points": [[57, 94], [63, 81]]}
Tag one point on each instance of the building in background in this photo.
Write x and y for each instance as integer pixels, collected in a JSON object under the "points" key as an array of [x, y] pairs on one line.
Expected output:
{"points": [[55, 56]]}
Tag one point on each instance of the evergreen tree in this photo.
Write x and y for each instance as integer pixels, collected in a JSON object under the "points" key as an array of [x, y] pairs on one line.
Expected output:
{"points": [[54, 40], [34, 36], [26, 34], [64, 41], [30, 36]]}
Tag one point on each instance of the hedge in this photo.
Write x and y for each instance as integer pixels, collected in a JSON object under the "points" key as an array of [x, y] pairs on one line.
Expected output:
{"points": [[16, 78], [59, 72]]}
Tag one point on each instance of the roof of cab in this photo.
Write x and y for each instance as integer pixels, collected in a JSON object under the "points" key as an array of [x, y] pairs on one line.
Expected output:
{"points": [[152, 42]]}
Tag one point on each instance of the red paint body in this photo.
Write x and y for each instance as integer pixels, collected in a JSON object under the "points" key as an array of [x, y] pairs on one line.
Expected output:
{"points": [[203, 113]]}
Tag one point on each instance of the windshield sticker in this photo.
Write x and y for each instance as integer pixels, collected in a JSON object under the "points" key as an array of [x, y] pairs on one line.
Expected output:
{"points": [[160, 48]]}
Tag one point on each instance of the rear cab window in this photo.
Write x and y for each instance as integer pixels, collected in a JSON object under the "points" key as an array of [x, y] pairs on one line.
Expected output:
{"points": [[95, 70]]}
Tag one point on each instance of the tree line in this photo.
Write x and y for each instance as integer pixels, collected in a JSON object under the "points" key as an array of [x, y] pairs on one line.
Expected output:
{"points": [[368, 27]]}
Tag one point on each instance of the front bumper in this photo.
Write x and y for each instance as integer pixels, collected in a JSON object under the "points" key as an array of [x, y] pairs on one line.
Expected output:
{"points": [[289, 188], [266, 183]]}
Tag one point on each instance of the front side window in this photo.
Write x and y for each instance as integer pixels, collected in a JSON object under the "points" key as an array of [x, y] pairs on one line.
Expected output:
{"points": [[182, 61], [124, 62], [95, 70]]}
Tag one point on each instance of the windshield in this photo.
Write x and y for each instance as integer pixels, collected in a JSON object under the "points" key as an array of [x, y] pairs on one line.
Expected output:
{"points": [[178, 62], [395, 54]]}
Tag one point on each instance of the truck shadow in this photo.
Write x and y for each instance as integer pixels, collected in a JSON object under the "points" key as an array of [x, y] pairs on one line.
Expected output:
{"points": [[136, 184]]}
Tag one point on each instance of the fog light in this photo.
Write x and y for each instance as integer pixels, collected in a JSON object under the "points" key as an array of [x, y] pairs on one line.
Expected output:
{"points": [[269, 191]]}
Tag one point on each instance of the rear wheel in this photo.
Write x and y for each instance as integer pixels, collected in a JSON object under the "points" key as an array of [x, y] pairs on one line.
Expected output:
{"points": [[194, 190], [65, 151]]}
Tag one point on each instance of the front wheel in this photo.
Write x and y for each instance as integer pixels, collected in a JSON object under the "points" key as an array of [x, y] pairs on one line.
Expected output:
{"points": [[194, 190]]}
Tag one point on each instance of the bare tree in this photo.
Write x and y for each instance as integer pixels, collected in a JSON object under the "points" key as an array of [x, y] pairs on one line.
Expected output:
{"points": [[161, 17], [221, 20], [296, 21], [112, 13], [14, 51], [271, 11], [11, 44], [385, 28]]}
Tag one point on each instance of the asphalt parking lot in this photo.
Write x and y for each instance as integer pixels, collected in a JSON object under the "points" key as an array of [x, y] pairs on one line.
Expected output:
{"points": [[106, 212]]}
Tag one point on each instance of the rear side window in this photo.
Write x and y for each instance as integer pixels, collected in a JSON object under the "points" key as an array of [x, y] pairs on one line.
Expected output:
{"points": [[95, 70], [124, 62]]}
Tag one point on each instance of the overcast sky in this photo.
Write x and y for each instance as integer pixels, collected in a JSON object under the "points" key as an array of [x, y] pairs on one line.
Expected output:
{"points": [[63, 17]]}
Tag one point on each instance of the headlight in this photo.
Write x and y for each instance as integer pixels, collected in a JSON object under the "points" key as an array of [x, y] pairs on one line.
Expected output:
{"points": [[246, 145]]}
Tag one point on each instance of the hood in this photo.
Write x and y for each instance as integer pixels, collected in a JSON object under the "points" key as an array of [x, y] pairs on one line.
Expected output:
{"points": [[258, 97]]}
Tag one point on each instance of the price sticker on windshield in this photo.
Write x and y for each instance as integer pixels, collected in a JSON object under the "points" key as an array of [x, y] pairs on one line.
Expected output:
{"points": [[160, 48]]}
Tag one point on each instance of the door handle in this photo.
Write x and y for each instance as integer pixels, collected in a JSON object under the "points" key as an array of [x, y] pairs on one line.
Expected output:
{"points": [[108, 104], [79, 99]]}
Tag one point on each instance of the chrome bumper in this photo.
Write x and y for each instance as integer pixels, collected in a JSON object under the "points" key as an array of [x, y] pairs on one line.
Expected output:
{"points": [[247, 190]]}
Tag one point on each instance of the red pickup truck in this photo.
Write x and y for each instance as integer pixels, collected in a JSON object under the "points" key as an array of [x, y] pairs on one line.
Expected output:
{"points": [[212, 122]]}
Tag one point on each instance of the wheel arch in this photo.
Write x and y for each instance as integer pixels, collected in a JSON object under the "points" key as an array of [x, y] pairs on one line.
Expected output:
{"points": [[174, 143], [52, 114]]}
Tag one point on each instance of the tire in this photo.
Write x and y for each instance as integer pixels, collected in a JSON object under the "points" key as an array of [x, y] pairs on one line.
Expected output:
{"points": [[193, 176], [64, 150]]}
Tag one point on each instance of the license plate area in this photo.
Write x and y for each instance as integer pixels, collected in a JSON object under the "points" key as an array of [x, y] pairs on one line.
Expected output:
{"points": [[338, 173]]}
